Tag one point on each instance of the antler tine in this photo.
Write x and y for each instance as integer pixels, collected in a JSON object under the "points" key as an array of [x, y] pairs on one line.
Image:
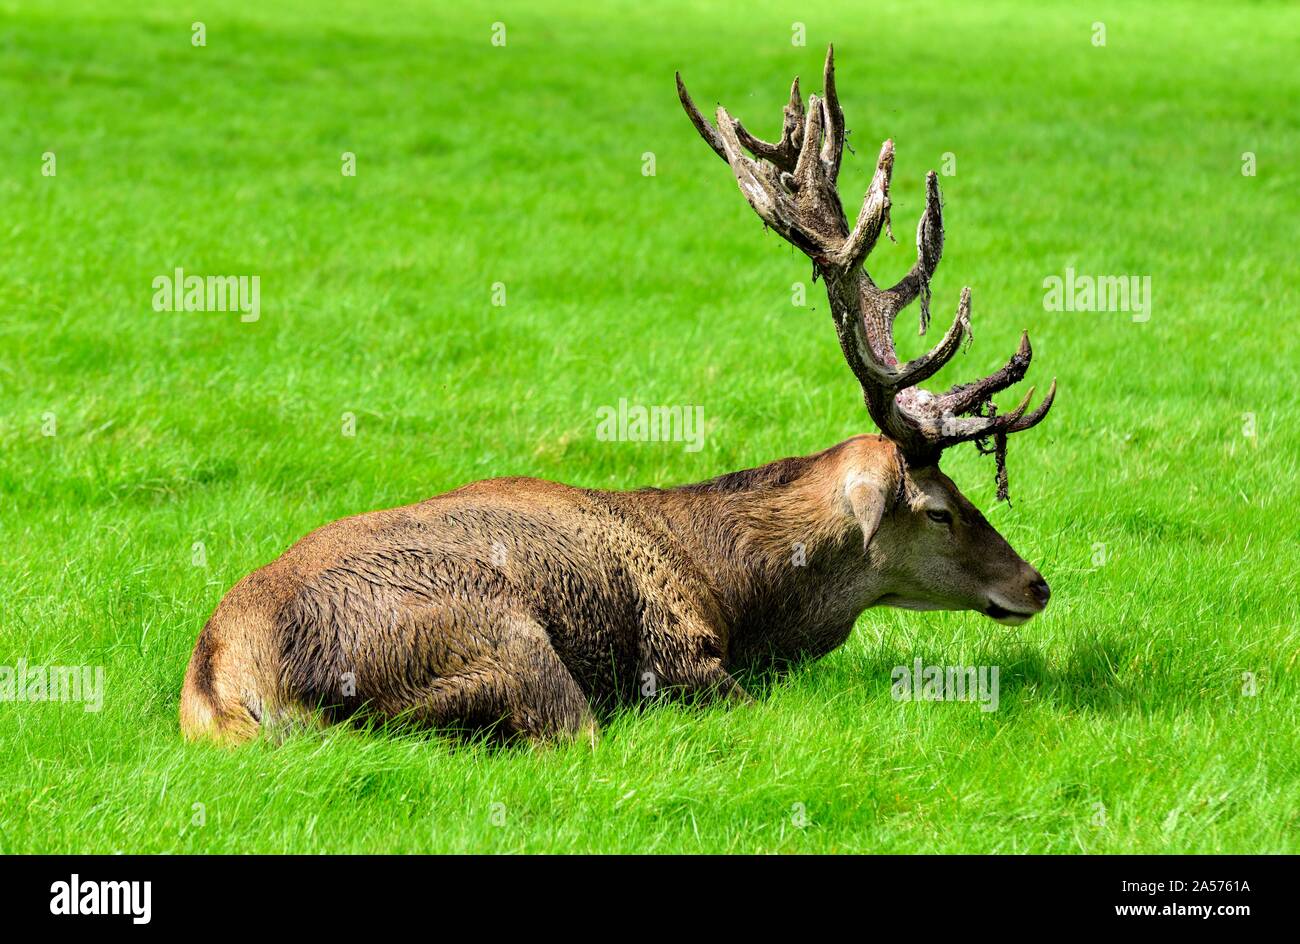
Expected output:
{"points": [[809, 156], [833, 143], [954, 431], [1036, 417], [929, 250], [963, 398], [929, 364], [702, 125], [873, 216], [785, 153]]}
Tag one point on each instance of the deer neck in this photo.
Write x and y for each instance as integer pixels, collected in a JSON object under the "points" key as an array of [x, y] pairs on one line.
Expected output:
{"points": [[780, 549]]}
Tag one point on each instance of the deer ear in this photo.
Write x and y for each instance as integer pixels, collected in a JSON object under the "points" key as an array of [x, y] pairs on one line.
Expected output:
{"points": [[870, 495], [868, 499]]}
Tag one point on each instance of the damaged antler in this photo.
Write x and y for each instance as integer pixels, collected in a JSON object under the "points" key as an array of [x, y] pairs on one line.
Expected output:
{"points": [[792, 187]]}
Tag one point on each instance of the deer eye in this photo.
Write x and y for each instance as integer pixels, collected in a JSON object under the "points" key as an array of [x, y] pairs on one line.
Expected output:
{"points": [[943, 517]]}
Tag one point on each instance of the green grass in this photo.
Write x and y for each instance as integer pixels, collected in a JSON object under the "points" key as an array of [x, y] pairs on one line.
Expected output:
{"points": [[522, 165]]}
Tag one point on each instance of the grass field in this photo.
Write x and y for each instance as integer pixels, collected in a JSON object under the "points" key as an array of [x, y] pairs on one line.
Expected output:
{"points": [[1169, 532]]}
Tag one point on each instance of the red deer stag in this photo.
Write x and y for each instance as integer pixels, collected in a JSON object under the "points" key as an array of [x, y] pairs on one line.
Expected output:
{"points": [[518, 605]]}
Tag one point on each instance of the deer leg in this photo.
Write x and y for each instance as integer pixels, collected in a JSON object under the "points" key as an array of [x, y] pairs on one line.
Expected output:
{"points": [[519, 689], [708, 681], [683, 654], [546, 702]]}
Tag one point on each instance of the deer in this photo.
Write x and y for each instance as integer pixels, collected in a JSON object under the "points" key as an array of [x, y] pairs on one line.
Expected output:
{"points": [[523, 608]]}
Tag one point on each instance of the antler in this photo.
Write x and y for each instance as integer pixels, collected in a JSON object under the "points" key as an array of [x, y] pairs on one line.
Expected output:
{"points": [[792, 187]]}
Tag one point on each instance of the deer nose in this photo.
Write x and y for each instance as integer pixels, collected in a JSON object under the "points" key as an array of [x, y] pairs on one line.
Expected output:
{"points": [[1040, 591]]}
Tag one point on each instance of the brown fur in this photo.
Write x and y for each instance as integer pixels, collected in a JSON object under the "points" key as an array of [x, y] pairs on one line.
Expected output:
{"points": [[520, 604]]}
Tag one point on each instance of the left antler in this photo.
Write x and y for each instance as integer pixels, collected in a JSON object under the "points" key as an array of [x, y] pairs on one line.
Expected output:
{"points": [[792, 187]]}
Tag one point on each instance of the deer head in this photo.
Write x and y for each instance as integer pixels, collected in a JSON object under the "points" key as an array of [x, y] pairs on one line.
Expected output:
{"points": [[945, 553]]}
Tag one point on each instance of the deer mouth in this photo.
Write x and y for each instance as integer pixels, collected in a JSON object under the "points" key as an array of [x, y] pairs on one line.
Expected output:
{"points": [[1006, 617]]}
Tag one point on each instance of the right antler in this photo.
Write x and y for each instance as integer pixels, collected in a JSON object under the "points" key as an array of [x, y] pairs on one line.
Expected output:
{"points": [[792, 187]]}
